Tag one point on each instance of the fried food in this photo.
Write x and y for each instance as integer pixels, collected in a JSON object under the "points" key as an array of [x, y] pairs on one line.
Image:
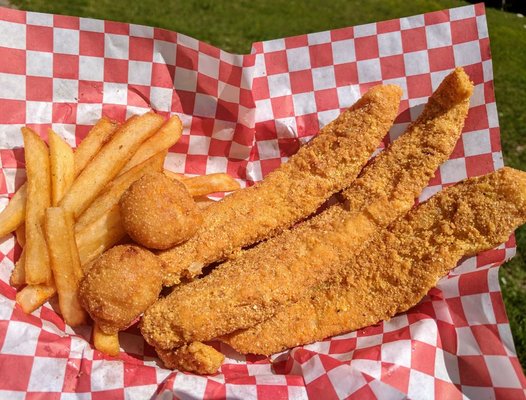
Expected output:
{"points": [[65, 264], [207, 184], [97, 137], [14, 214], [120, 285], [50, 175], [20, 234], [400, 265], [195, 357], [32, 297], [99, 236], [176, 175], [62, 165], [106, 343], [158, 212], [329, 163], [37, 268], [109, 161], [251, 288], [200, 186], [18, 275], [114, 190], [203, 202], [160, 142]]}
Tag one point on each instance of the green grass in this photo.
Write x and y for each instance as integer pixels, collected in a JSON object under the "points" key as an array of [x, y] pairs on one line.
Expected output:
{"points": [[234, 25]]}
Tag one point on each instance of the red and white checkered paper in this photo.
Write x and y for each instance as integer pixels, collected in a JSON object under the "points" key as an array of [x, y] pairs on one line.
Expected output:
{"points": [[245, 114]]}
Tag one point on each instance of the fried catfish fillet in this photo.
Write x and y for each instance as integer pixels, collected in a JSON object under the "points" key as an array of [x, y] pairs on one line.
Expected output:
{"points": [[295, 190], [400, 264], [251, 288]]}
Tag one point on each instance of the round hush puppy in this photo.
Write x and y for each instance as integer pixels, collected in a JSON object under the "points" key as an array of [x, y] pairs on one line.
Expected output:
{"points": [[158, 212], [121, 284]]}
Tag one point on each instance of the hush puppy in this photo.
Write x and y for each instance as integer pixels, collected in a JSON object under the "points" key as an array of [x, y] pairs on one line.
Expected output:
{"points": [[158, 212], [121, 284]]}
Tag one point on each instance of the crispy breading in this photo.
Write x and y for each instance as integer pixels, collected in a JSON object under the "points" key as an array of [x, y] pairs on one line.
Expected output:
{"points": [[119, 286], [158, 212], [400, 265], [251, 288], [326, 165], [195, 357]]}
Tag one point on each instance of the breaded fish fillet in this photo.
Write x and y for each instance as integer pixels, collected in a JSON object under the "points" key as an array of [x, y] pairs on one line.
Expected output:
{"points": [[251, 288], [295, 190], [400, 265]]}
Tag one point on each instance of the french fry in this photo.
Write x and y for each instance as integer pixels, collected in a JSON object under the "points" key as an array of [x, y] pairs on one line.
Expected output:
{"points": [[62, 166], [13, 215], [175, 175], [18, 275], [97, 137], [58, 237], [107, 344], [37, 267], [162, 140], [206, 184], [75, 259], [203, 201], [20, 234], [113, 192], [99, 236], [109, 161], [33, 296]]}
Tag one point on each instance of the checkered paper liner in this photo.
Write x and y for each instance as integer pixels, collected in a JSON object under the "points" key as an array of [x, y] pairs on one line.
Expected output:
{"points": [[245, 114]]}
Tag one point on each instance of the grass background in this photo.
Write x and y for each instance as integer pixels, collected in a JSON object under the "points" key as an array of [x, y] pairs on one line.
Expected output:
{"points": [[235, 25]]}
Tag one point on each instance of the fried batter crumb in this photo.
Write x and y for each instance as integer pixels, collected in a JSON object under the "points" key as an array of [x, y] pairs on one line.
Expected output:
{"points": [[195, 357]]}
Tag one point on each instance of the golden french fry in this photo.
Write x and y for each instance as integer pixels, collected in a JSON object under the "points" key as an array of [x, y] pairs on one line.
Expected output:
{"points": [[75, 259], [20, 234], [15, 212], [37, 267], [99, 236], [18, 276], [109, 161], [203, 201], [62, 164], [162, 140], [32, 297], [108, 344], [97, 137], [175, 175], [12, 216], [206, 184], [113, 192], [58, 238]]}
